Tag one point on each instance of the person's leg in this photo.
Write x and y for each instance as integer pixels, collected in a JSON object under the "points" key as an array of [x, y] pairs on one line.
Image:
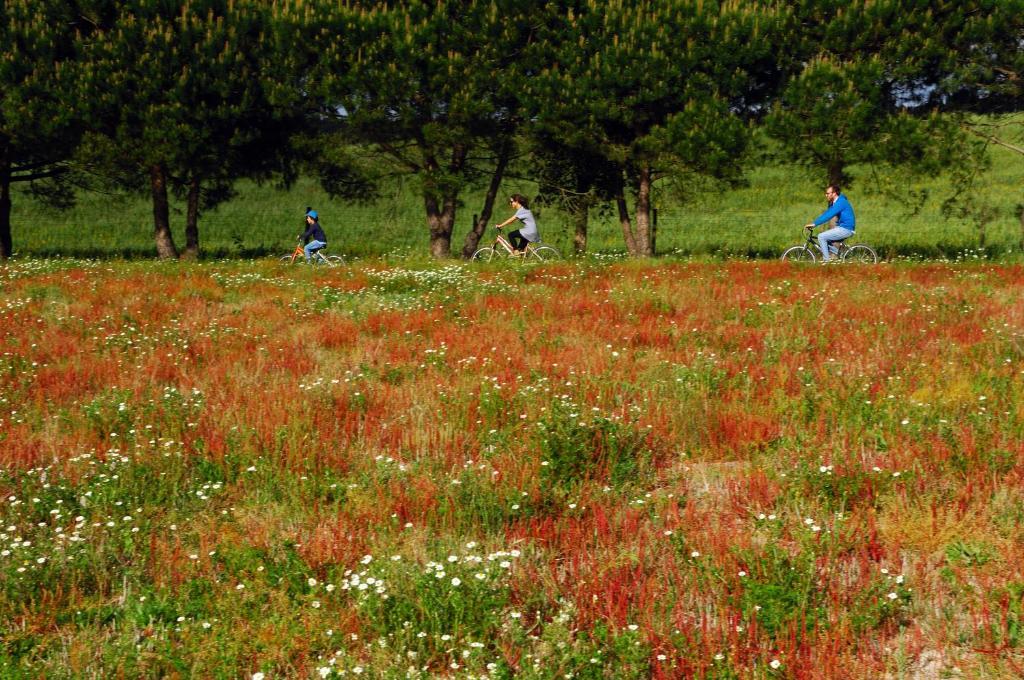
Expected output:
{"points": [[312, 246], [833, 234], [517, 240]]}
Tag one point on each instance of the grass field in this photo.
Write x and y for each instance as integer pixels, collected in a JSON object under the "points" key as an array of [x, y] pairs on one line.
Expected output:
{"points": [[739, 470], [757, 220]]}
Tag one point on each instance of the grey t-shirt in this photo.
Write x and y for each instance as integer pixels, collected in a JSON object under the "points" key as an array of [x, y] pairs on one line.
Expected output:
{"points": [[529, 228]]}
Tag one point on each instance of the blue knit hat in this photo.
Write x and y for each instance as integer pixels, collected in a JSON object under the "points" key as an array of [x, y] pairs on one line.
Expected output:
{"points": [[312, 213]]}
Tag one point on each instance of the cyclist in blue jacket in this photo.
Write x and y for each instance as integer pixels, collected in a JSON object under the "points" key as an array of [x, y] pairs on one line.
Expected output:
{"points": [[839, 207], [314, 236]]}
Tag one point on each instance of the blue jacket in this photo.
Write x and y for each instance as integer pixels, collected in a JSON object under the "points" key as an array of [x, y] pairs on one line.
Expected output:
{"points": [[840, 207]]}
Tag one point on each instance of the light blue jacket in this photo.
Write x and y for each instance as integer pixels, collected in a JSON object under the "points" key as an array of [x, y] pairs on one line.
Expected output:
{"points": [[840, 207]]}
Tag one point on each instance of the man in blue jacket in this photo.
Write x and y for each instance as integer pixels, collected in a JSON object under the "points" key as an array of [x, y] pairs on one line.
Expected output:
{"points": [[314, 235], [838, 207]]}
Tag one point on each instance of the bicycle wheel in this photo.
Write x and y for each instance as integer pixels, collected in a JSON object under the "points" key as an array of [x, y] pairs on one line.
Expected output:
{"points": [[287, 259], [799, 254], [860, 254], [486, 254], [334, 260], [546, 254]]}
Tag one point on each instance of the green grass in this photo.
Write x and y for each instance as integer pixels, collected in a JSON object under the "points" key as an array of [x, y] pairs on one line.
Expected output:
{"points": [[756, 220]]}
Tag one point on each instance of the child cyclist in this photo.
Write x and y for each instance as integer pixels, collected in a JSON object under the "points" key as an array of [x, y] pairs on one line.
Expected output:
{"points": [[314, 236], [528, 232]]}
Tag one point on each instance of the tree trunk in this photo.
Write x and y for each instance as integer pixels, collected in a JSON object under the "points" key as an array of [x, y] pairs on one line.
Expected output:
{"points": [[580, 221], [441, 219], [836, 175], [192, 219], [624, 220], [644, 242], [626, 223], [1020, 216], [6, 243], [474, 235], [440, 199], [165, 248]]}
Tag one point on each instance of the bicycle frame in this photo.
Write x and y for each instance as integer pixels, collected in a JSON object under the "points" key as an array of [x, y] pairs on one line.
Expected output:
{"points": [[317, 255], [502, 248], [809, 249], [840, 245], [500, 239]]}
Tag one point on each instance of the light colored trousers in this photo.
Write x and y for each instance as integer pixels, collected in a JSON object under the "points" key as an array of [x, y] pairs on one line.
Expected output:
{"points": [[312, 246], [833, 234]]}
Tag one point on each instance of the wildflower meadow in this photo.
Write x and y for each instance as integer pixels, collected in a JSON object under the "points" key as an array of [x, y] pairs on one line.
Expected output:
{"points": [[574, 470]]}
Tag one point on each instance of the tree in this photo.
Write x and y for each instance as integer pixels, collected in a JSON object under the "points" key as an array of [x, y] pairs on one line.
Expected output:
{"points": [[574, 179], [37, 132], [429, 88], [870, 85], [646, 86], [175, 94]]}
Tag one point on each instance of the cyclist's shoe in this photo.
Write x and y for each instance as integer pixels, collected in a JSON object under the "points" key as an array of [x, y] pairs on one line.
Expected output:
{"points": [[518, 253]]}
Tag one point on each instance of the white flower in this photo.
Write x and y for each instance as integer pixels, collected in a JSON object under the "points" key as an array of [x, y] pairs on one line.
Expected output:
{"points": [[316, 604], [775, 663], [257, 676], [366, 560], [324, 671], [892, 596], [456, 582], [311, 582], [695, 554]]}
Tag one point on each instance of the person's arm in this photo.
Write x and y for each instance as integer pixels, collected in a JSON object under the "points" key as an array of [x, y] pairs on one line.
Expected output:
{"points": [[506, 222], [833, 210]]}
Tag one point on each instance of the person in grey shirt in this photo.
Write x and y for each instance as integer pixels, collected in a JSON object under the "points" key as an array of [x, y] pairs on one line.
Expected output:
{"points": [[528, 232]]}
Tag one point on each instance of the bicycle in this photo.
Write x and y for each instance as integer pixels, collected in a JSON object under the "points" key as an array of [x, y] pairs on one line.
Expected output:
{"points": [[808, 252], [317, 258], [503, 249]]}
